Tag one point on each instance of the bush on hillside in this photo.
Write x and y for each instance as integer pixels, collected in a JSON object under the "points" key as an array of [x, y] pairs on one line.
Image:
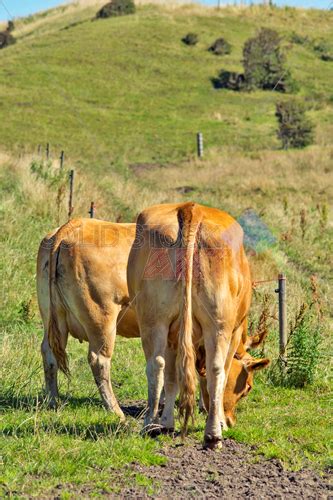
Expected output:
{"points": [[324, 50], [116, 8], [264, 61], [299, 39], [220, 47], [229, 80], [5, 36], [10, 26], [190, 39], [295, 129]]}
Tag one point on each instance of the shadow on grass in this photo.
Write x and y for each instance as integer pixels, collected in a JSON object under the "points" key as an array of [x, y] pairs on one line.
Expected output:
{"points": [[9, 400], [87, 431], [135, 410]]}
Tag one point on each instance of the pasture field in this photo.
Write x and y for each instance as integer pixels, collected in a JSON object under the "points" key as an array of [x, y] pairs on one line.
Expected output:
{"points": [[127, 117]]}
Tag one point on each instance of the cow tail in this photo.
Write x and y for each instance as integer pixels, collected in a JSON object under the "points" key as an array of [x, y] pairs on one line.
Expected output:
{"points": [[54, 333], [186, 370]]}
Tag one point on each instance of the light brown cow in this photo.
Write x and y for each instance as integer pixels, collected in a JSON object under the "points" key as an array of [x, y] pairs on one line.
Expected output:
{"points": [[85, 296], [89, 299], [190, 281]]}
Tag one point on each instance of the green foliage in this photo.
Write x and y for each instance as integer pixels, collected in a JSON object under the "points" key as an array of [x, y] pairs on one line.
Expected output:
{"points": [[45, 170], [229, 80], [10, 26], [220, 47], [116, 8], [54, 178], [324, 50], [26, 311], [303, 355], [299, 39], [323, 216], [322, 47], [190, 39], [295, 129], [264, 62], [6, 39], [302, 360], [80, 97]]}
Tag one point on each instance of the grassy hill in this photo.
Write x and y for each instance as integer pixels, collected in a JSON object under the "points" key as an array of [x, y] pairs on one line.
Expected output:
{"points": [[124, 98], [128, 90]]}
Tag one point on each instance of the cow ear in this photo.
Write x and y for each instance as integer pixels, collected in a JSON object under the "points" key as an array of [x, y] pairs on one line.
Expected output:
{"points": [[257, 364], [254, 341]]}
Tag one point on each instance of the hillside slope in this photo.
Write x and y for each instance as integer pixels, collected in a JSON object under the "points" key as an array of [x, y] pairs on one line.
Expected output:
{"points": [[128, 90], [124, 98]]}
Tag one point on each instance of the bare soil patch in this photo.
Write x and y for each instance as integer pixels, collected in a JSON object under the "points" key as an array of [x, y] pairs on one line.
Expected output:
{"points": [[235, 472]]}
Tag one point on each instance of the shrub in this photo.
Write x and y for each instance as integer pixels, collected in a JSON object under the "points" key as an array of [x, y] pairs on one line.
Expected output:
{"points": [[324, 50], [220, 47], [299, 39], [295, 129], [5, 36], [190, 39], [116, 8], [264, 63], [54, 178], [10, 26], [229, 80], [303, 351]]}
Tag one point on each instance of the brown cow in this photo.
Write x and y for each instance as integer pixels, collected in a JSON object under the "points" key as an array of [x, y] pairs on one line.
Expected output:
{"points": [[85, 296], [190, 282], [89, 297]]}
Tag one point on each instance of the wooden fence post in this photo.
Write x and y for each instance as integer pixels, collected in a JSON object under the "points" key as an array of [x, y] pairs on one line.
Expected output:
{"points": [[92, 210], [39, 149], [71, 186], [47, 150], [200, 144], [281, 290], [62, 158]]}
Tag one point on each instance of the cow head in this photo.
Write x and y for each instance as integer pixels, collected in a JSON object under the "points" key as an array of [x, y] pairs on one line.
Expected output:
{"points": [[240, 383]]}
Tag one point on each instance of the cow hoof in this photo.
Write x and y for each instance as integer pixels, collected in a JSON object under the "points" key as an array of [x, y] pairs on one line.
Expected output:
{"points": [[212, 443], [152, 430]]}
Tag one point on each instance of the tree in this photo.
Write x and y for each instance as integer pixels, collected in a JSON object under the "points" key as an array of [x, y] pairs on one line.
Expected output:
{"points": [[295, 129], [264, 61]]}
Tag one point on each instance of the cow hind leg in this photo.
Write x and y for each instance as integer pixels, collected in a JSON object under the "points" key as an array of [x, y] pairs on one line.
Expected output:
{"points": [[154, 343], [204, 396], [171, 390], [50, 372], [216, 353], [99, 358]]}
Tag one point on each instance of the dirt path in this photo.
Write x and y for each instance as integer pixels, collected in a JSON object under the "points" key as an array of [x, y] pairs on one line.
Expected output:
{"points": [[233, 473]]}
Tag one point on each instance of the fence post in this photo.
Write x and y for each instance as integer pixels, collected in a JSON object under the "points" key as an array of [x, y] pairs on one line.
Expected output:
{"points": [[71, 186], [200, 144], [62, 157], [282, 315], [39, 149], [47, 150], [92, 210]]}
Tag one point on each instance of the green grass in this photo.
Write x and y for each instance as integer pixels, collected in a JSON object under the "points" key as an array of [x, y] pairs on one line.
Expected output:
{"points": [[80, 446], [292, 425], [144, 95], [142, 98]]}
